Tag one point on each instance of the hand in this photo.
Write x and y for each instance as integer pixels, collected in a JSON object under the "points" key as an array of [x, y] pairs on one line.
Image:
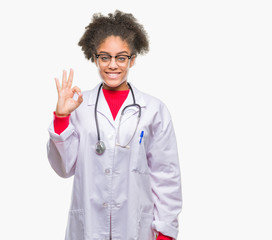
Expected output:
{"points": [[66, 103]]}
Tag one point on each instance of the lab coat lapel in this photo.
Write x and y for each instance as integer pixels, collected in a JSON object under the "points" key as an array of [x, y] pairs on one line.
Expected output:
{"points": [[128, 101], [102, 105], [104, 110], [132, 110]]}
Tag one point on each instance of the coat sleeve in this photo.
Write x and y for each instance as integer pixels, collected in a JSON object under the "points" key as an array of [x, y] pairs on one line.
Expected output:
{"points": [[62, 150], [165, 177]]}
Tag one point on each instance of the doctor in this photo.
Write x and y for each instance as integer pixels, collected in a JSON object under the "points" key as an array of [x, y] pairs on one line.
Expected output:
{"points": [[117, 142]]}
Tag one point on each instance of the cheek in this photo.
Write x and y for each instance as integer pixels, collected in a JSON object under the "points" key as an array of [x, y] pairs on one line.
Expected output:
{"points": [[100, 70]]}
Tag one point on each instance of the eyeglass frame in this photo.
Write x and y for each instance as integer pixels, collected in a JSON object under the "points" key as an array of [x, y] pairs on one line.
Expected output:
{"points": [[129, 57]]}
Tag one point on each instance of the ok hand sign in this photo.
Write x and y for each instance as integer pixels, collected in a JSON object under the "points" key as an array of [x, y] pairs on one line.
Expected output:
{"points": [[66, 103]]}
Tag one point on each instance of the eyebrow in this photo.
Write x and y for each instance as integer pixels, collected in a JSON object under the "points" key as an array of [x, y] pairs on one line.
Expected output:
{"points": [[102, 52]]}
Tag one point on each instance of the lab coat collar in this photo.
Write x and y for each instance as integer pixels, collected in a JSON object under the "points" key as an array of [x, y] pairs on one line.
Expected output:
{"points": [[139, 97], [104, 109]]}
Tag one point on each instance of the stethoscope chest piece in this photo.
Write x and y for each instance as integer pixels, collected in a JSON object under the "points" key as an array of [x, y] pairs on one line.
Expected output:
{"points": [[100, 147]]}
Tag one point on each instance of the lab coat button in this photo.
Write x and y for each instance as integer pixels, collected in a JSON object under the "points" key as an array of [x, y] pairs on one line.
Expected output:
{"points": [[105, 205], [107, 171]]}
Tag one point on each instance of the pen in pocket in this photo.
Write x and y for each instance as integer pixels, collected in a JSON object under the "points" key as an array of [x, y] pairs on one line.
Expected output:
{"points": [[141, 136]]}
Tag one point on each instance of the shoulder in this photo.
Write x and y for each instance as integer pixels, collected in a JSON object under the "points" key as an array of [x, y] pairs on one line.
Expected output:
{"points": [[146, 98], [152, 104]]}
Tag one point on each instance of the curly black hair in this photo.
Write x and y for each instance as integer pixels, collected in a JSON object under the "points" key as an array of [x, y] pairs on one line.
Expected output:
{"points": [[124, 25]]}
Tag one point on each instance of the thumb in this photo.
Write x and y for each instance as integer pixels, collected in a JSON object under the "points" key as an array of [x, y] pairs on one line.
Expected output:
{"points": [[79, 99]]}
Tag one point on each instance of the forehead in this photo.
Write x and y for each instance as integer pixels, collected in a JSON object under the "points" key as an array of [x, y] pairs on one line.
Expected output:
{"points": [[113, 45]]}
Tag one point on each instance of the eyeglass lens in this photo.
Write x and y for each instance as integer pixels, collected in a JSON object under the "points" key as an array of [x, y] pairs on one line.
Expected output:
{"points": [[121, 60]]}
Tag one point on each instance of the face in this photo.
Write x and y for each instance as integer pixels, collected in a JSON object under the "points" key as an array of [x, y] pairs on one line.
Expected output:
{"points": [[114, 71]]}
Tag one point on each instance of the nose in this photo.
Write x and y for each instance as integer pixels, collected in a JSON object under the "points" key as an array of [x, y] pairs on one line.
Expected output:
{"points": [[113, 64]]}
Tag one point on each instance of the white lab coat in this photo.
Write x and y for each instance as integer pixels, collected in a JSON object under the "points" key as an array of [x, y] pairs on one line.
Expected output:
{"points": [[138, 187]]}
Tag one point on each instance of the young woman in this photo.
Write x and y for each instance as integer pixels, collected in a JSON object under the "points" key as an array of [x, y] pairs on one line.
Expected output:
{"points": [[117, 142]]}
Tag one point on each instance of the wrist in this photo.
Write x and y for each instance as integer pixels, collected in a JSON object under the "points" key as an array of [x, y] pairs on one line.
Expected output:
{"points": [[59, 115], [163, 237], [60, 123]]}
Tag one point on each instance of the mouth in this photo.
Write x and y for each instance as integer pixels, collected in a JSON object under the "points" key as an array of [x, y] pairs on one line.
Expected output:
{"points": [[113, 75]]}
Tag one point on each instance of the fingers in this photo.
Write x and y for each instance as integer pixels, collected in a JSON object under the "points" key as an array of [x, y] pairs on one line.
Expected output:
{"points": [[80, 99], [57, 84], [70, 78], [77, 90], [64, 79], [65, 83]]}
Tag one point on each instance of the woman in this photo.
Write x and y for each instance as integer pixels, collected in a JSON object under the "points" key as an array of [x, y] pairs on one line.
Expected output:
{"points": [[117, 142]]}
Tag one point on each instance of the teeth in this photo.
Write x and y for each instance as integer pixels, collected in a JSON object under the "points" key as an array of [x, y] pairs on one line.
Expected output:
{"points": [[113, 75]]}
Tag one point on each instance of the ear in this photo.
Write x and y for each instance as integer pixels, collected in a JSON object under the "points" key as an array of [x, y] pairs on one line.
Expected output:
{"points": [[132, 61]]}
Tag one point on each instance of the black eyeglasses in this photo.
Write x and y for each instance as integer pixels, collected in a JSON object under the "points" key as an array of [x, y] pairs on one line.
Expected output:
{"points": [[105, 59]]}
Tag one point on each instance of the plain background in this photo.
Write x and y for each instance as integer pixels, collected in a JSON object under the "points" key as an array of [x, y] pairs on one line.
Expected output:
{"points": [[209, 61]]}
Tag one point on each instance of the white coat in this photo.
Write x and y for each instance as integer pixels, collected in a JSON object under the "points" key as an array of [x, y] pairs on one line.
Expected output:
{"points": [[128, 194]]}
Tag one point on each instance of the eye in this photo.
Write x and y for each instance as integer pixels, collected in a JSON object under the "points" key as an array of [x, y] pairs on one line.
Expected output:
{"points": [[121, 58], [104, 58]]}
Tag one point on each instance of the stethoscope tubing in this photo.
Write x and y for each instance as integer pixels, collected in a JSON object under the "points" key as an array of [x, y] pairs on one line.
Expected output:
{"points": [[95, 113], [100, 146]]}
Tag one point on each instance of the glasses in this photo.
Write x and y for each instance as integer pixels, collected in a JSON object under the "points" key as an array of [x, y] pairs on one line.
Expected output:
{"points": [[105, 59]]}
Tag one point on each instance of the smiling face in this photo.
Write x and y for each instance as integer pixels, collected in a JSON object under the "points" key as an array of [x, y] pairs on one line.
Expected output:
{"points": [[114, 72]]}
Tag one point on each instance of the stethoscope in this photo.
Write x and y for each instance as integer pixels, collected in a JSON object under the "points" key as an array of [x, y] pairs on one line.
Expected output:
{"points": [[100, 146]]}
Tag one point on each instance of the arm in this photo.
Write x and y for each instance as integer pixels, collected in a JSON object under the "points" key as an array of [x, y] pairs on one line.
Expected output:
{"points": [[60, 123], [63, 143], [165, 177], [62, 149]]}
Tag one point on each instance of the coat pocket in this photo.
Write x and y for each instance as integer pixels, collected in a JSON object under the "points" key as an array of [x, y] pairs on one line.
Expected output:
{"points": [[145, 227], [139, 159], [75, 227]]}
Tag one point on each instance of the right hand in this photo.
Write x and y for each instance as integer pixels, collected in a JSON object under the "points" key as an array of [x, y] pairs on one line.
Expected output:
{"points": [[66, 103]]}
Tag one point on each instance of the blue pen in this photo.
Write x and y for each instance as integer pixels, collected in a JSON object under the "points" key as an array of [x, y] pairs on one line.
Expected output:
{"points": [[141, 136]]}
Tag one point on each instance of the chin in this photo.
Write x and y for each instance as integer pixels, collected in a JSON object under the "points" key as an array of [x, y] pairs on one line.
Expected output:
{"points": [[118, 85], [112, 83]]}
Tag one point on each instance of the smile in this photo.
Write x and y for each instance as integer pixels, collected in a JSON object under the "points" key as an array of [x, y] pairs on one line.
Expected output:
{"points": [[113, 75]]}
